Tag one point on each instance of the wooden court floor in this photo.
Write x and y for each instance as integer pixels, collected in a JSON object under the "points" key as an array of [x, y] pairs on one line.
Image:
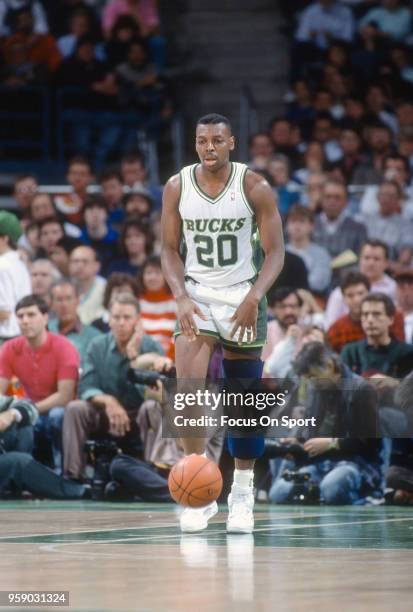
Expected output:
{"points": [[115, 557]]}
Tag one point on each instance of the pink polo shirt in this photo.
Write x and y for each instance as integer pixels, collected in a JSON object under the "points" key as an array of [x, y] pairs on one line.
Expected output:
{"points": [[146, 11], [39, 370]]}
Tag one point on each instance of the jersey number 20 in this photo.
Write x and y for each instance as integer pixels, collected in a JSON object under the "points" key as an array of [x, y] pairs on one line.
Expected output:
{"points": [[225, 252]]}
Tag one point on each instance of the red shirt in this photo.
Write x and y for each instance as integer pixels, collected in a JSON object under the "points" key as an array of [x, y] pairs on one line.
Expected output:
{"points": [[39, 370], [345, 330]]}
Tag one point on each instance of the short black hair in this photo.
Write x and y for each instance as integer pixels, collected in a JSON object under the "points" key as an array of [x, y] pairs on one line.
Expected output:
{"points": [[146, 196], [381, 298], [96, 201], [278, 119], [375, 243], [324, 116], [398, 157], [80, 160], [68, 243], [86, 39], [281, 293], [49, 221], [110, 174], [376, 124], [32, 300], [354, 278], [314, 355], [214, 119], [133, 156], [122, 22]]}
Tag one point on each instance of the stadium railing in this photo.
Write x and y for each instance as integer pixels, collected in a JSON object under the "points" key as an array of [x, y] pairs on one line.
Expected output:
{"points": [[25, 119]]}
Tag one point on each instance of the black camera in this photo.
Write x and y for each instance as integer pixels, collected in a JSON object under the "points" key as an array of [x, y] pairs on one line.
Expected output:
{"points": [[306, 491], [100, 454], [149, 378]]}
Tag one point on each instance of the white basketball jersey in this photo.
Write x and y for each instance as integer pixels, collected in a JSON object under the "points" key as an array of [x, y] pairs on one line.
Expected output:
{"points": [[221, 242]]}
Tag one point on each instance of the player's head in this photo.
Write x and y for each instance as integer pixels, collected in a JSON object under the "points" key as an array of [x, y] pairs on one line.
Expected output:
{"points": [[214, 141]]}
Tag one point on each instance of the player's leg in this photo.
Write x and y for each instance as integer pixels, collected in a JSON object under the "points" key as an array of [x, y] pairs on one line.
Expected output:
{"points": [[243, 364], [192, 360]]}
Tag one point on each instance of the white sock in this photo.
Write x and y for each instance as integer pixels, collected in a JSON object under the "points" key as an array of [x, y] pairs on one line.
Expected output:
{"points": [[244, 479]]}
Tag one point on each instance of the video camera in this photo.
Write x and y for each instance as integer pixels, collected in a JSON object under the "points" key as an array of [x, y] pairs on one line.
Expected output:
{"points": [[306, 491], [149, 378]]}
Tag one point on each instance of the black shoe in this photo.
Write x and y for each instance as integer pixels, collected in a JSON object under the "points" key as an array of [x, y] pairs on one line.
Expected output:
{"points": [[115, 493], [87, 493]]}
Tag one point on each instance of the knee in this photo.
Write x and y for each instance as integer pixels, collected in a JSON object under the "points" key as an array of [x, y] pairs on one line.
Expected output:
{"points": [[56, 416], [118, 467], [340, 485], [16, 460], [280, 492], [74, 410]]}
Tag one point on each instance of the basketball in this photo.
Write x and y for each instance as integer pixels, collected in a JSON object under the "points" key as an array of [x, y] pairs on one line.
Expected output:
{"points": [[195, 481]]}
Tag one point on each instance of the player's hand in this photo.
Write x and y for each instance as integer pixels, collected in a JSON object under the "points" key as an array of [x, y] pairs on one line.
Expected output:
{"points": [[317, 446], [245, 320], [119, 423], [186, 311]]}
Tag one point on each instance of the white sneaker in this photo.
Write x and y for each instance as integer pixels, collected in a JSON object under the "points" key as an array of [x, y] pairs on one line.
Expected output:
{"points": [[240, 517], [196, 519]]}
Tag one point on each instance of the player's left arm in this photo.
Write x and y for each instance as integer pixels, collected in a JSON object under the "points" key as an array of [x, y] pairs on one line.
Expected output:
{"points": [[262, 200]]}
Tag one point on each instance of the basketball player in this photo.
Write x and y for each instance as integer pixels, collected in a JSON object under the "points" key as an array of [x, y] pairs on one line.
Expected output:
{"points": [[227, 216]]}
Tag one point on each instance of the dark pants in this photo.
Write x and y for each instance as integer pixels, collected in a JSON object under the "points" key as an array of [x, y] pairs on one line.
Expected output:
{"points": [[17, 439], [139, 479], [20, 472], [83, 420], [398, 477], [48, 437]]}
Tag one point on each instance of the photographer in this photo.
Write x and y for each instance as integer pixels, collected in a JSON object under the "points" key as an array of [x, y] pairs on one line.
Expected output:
{"points": [[347, 470], [109, 400], [18, 470]]}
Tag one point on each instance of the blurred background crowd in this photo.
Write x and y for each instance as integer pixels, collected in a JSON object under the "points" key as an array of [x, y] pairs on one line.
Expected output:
{"points": [[80, 259]]}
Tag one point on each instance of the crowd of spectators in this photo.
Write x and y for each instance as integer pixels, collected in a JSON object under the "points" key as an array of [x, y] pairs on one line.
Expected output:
{"points": [[106, 61], [340, 161], [90, 297]]}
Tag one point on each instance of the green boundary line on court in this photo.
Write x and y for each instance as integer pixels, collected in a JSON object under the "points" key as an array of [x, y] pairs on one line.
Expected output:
{"points": [[276, 526]]}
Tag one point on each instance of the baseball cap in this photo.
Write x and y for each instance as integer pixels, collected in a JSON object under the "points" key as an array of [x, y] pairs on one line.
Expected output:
{"points": [[10, 225]]}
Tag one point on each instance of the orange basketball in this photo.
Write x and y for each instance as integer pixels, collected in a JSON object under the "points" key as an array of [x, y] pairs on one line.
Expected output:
{"points": [[195, 481]]}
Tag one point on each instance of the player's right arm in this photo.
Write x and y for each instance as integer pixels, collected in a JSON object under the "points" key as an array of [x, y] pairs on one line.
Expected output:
{"points": [[172, 264]]}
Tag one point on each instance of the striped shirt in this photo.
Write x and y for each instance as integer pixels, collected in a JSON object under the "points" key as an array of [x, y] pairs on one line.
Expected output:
{"points": [[158, 315]]}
